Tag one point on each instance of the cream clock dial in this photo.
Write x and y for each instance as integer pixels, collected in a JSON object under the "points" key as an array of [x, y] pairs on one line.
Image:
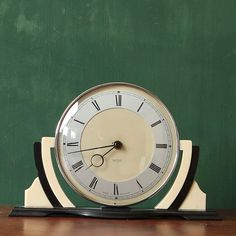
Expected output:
{"points": [[116, 144]]}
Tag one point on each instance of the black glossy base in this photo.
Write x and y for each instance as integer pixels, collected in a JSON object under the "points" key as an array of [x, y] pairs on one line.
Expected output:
{"points": [[116, 213]]}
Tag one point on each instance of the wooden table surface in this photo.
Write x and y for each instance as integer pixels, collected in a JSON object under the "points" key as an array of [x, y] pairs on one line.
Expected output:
{"points": [[57, 226]]}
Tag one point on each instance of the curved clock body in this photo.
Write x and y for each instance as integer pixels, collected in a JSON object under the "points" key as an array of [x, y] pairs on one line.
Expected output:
{"points": [[117, 144]]}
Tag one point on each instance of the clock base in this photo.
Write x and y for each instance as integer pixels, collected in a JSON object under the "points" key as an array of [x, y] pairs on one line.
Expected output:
{"points": [[116, 213], [184, 200]]}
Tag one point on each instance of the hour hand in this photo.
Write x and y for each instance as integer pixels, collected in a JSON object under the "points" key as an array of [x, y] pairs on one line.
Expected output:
{"points": [[97, 160]]}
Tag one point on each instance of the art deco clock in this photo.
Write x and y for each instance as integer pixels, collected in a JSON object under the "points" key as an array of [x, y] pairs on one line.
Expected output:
{"points": [[117, 145]]}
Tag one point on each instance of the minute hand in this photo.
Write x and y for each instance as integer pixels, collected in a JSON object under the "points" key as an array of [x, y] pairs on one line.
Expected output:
{"points": [[89, 149]]}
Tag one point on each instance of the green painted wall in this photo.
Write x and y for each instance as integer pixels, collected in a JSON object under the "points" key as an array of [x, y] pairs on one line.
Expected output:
{"points": [[184, 51]]}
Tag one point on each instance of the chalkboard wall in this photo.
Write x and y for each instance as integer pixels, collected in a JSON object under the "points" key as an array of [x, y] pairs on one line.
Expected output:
{"points": [[184, 51]]}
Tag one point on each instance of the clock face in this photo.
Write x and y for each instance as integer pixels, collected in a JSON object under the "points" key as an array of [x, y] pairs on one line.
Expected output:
{"points": [[116, 144]]}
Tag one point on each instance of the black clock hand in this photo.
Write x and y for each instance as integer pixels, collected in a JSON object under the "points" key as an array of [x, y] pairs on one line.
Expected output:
{"points": [[116, 145], [89, 149], [98, 157], [108, 151]]}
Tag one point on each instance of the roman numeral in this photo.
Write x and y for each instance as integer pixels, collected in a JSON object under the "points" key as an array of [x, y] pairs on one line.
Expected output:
{"points": [[118, 100], [73, 144], [116, 190], [82, 123], [155, 123], [140, 107], [155, 168], [96, 105], [93, 183], [139, 184], [77, 166], [161, 145]]}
